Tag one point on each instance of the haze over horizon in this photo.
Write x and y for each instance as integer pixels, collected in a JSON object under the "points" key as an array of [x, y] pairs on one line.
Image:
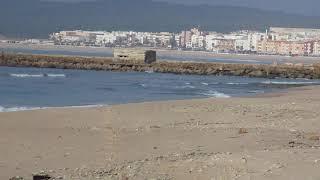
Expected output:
{"points": [[306, 7], [39, 18]]}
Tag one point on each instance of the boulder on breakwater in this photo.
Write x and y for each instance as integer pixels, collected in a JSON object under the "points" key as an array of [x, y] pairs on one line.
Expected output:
{"points": [[198, 68]]}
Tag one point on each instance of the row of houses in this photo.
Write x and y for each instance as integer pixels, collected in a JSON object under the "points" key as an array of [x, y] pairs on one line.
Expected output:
{"points": [[281, 41], [292, 48], [284, 41], [115, 38]]}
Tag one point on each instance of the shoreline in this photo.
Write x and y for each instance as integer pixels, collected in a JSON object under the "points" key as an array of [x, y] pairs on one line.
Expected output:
{"points": [[184, 139], [279, 92]]}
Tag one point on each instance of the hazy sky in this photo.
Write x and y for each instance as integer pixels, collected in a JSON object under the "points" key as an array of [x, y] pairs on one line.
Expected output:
{"points": [[307, 7], [310, 7]]}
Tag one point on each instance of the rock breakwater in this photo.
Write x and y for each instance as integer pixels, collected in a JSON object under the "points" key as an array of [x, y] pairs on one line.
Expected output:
{"points": [[197, 68]]}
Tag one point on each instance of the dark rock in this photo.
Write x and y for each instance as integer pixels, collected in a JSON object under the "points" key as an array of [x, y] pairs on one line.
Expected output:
{"points": [[257, 73], [107, 64], [41, 177]]}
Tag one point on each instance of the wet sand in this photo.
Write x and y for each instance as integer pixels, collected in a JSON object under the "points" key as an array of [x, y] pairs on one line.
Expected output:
{"points": [[265, 137]]}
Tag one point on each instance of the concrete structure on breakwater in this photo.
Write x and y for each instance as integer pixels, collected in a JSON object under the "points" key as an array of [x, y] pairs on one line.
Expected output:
{"points": [[107, 64], [144, 56]]}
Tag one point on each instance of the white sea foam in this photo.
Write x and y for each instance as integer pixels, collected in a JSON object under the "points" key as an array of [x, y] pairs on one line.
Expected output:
{"points": [[83, 106], [13, 109], [37, 75], [186, 87], [206, 84], [287, 82], [56, 75], [256, 91], [236, 83], [143, 85], [24, 108], [27, 75], [216, 94]]}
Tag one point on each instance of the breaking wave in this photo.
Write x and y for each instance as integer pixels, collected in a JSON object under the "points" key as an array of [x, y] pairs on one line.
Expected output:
{"points": [[216, 94], [56, 75], [256, 91], [237, 83], [24, 108], [186, 87], [288, 82], [27, 75], [37, 75], [143, 85], [14, 109]]}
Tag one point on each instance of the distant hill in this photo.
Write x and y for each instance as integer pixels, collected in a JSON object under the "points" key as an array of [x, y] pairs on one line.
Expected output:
{"points": [[35, 18]]}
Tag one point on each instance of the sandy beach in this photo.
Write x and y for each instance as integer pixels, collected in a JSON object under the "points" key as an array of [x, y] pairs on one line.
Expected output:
{"points": [[271, 136]]}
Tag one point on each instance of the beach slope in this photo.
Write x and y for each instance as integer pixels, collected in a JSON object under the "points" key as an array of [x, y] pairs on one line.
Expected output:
{"points": [[272, 136]]}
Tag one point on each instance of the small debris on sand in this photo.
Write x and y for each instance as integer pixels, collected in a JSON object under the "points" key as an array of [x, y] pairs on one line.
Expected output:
{"points": [[243, 131]]}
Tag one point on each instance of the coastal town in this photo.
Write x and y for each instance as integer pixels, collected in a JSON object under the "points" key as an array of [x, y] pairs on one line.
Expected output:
{"points": [[274, 41]]}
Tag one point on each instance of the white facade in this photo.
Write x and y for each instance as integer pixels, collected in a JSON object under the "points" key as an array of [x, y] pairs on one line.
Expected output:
{"points": [[211, 42], [197, 41], [316, 48], [254, 39], [242, 44], [105, 38]]}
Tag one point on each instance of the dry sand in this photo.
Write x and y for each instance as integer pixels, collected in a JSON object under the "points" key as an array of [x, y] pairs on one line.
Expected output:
{"points": [[265, 137]]}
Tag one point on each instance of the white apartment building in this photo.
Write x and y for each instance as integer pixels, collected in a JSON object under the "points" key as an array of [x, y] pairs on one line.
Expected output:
{"points": [[212, 41], [243, 44], [254, 39], [295, 34], [197, 41], [226, 42], [103, 39], [316, 48]]}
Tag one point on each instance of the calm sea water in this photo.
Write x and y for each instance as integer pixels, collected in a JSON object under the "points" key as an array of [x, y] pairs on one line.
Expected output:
{"points": [[32, 88]]}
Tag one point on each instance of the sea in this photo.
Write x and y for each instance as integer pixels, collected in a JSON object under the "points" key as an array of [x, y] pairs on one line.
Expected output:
{"points": [[34, 88]]}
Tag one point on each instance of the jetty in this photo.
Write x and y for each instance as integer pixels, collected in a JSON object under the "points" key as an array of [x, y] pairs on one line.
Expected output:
{"points": [[176, 67]]}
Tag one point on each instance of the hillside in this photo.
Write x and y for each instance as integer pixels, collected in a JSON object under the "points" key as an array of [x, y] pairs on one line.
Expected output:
{"points": [[35, 18]]}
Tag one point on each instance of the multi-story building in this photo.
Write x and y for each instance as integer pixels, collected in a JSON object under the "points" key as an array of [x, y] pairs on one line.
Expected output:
{"points": [[316, 48], [295, 34], [105, 39], [284, 47], [197, 41], [243, 44], [297, 48], [185, 38], [283, 41], [254, 39]]}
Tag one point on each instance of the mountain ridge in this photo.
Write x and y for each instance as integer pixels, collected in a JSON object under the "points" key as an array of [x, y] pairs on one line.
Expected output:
{"points": [[37, 19]]}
